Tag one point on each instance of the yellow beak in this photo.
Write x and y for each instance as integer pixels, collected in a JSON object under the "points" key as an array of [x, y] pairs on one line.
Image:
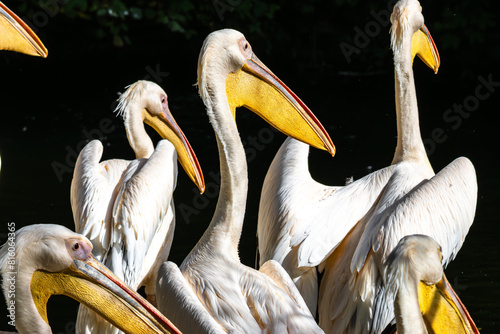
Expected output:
{"points": [[423, 45], [167, 127], [92, 284], [442, 310], [255, 87], [15, 35]]}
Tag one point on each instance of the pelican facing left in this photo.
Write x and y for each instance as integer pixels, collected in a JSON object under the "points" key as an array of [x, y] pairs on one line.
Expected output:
{"points": [[414, 265], [42, 260], [125, 207]]}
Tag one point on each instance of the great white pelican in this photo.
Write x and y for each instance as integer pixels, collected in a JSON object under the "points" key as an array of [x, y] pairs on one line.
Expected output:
{"points": [[126, 208], [212, 291], [415, 265], [352, 295], [42, 260], [304, 224]]}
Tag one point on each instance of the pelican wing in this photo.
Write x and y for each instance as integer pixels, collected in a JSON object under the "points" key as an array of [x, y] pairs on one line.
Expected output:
{"points": [[92, 191], [279, 276], [442, 207], [302, 221], [176, 298], [143, 215], [296, 211], [274, 301]]}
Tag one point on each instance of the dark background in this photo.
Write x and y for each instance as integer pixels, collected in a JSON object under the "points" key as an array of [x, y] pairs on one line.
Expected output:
{"points": [[334, 54]]}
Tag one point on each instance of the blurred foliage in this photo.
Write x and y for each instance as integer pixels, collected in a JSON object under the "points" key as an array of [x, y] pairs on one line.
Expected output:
{"points": [[307, 33]]}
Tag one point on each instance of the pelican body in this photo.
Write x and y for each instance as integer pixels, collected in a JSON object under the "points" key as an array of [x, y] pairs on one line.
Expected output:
{"points": [[47, 260], [352, 296], [212, 291], [125, 207], [348, 231]]}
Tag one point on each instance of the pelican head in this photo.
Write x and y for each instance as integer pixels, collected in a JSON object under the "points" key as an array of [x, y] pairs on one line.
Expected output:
{"points": [[43, 260], [15, 35], [414, 269], [145, 101], [407, 19], [228, 64]]}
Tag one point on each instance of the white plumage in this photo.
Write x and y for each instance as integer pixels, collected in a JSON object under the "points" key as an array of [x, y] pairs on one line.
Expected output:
{"points": [[213, 291], [413, 266], [126, 208], [350, 230], [42, 260], [301, 221]]}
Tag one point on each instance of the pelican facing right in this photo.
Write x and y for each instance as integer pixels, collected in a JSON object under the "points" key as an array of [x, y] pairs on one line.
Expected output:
{"points": [[348, 231], [353, 297], [15, 35], [212, 291]]}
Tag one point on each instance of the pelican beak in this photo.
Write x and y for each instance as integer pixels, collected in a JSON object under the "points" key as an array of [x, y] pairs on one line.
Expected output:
{"points": [[17, 36], [255, 87], [423, 45], [167, 127], [93, 285], [442, 310]]}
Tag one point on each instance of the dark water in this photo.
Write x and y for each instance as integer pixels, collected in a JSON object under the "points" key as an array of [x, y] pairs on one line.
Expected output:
{"points": [[51, 107]]}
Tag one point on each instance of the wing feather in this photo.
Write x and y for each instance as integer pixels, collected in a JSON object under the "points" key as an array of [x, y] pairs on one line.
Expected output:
{"points": [[184, 309], [92, 189], [301, 221], [143, 213], [441, 207]]}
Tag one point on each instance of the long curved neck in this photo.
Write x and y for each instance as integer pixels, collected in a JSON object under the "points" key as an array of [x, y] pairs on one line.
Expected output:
{"points": [[410, 145], [225, 228], [407, 311], [27, 318], [136, 133]]}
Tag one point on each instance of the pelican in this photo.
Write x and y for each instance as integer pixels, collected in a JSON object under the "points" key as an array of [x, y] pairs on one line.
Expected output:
{"points": [[126, 208], [214, 292], [39, 261], [353, 297], [17, 36], [415, 263], [302, 221]]}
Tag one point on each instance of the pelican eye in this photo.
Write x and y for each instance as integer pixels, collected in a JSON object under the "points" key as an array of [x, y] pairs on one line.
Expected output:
{"points": [[245, 47], [76, 246]]}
